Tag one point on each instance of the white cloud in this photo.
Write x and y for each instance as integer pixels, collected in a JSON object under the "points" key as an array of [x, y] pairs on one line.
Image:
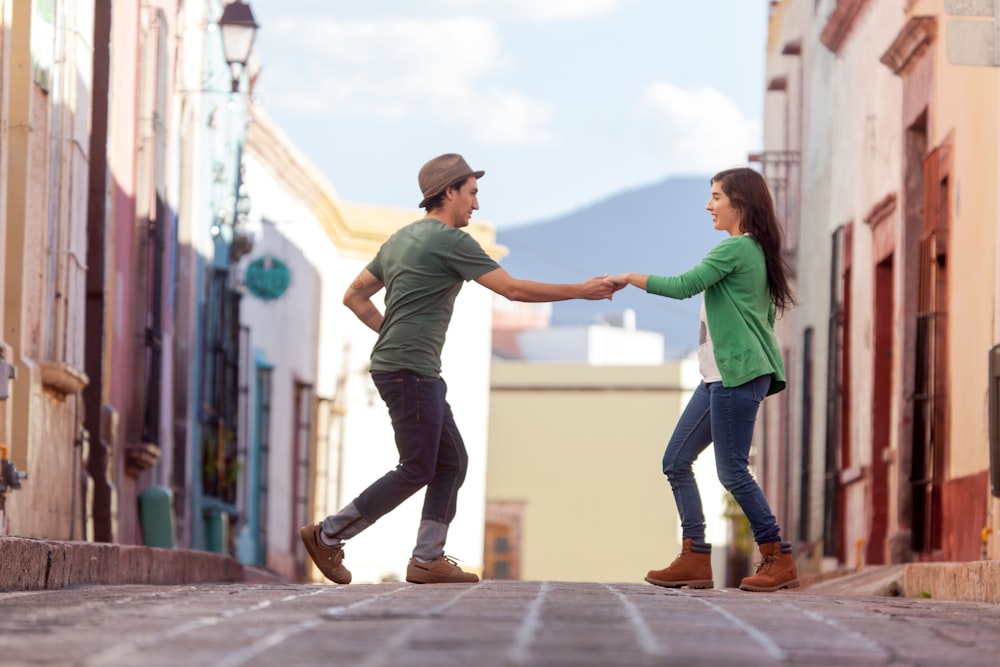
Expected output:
{"points": [[437, 70], [531, 10], [503, 117], [696, 130]]}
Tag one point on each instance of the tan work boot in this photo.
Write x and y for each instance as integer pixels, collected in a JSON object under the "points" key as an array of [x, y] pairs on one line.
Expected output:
{"points": [[444, 570], [329, 560], [690, 568], [775, 571]]}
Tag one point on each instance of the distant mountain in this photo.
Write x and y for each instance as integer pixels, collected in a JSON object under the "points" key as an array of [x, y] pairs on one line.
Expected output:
{"points": [[659, 229]]}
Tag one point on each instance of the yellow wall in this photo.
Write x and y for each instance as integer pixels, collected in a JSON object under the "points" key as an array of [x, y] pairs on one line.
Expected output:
{"points": [[966, 107], [581, 447]]}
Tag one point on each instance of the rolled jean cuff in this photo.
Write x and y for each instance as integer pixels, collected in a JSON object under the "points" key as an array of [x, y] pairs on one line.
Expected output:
{"points": [[700, 547]]}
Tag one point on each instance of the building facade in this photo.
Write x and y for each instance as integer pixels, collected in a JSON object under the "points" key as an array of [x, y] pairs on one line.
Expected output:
{"points": [[887, 189], [177, 368], [47, 59]]}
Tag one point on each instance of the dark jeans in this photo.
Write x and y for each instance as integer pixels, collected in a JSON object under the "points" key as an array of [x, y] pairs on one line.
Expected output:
{"points": [[431, 451], [724, 416]]}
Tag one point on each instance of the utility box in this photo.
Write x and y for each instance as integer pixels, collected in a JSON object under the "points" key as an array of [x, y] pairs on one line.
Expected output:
{"points": [[156, 513], [7, 373]]}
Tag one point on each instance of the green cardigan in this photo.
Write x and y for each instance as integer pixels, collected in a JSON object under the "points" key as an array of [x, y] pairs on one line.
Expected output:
{"points": [[739, 309]]}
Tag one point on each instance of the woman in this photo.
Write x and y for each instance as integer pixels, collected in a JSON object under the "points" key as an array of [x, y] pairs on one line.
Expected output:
{"points": [[744, 280]]}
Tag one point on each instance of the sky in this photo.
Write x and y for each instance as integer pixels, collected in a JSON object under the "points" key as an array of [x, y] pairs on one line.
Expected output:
{"points": [[562, 102]]}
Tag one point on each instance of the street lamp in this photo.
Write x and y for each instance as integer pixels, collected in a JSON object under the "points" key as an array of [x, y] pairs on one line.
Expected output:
{"points": [[238, 29]]}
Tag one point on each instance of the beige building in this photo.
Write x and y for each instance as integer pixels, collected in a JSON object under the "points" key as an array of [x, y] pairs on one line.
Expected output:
{"points": [[883, 158], [574, 487], [45, 100]]}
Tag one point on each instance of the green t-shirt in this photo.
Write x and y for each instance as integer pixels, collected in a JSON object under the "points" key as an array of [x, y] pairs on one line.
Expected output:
{"points": [[739, 309], [423, 267]]}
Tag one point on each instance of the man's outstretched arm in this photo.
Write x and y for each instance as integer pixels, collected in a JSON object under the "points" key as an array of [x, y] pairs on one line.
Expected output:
{"points": [[515, 289]]}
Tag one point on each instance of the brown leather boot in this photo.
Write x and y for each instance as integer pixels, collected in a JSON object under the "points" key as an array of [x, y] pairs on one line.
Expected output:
{"points": [[690, 568], [775, 571]]}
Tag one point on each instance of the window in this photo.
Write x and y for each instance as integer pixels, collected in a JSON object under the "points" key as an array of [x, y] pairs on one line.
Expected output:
{"points": [[257, 508], [302, 447], [502, 552], [930, 406], [838, 391], [805, 469]]}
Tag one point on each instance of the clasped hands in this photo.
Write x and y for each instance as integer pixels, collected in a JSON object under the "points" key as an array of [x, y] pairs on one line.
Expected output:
{"points": [[604, 287]]}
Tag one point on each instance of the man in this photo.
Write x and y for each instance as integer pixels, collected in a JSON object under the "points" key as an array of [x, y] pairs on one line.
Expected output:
{"points": [[422, 267]]}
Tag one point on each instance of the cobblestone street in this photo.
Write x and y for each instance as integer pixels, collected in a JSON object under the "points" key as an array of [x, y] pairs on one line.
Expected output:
{"points": [[490, 624]]}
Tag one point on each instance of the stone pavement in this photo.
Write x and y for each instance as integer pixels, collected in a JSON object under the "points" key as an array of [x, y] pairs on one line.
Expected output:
{"points": [[490, 624]]}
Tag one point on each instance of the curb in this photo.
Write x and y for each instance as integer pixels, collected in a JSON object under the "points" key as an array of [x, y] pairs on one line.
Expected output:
{"points": [[870, 581], [31, 564], [974, 581], [977, 581]]}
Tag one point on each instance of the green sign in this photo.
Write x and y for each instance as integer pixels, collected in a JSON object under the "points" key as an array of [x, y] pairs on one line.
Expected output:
{"points": [[267, 278]]}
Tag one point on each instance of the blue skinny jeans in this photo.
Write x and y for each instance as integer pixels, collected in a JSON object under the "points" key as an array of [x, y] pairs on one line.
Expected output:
{"points": [[724, 416], [431, 450]]}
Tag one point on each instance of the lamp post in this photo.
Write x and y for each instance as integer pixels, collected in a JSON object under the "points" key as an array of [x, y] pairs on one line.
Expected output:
{"points": [[217, 451], [238, 30]]}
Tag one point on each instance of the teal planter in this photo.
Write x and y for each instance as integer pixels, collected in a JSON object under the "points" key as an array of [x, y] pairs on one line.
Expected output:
{"points": [[156, 514], [216, 531]]}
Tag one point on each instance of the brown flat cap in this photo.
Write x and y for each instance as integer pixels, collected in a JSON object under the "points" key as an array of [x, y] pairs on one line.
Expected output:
{"points": [[442, 171]]}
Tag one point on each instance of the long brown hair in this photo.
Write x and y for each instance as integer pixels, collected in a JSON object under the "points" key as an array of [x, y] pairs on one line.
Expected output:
{"points": [[749, 195]]}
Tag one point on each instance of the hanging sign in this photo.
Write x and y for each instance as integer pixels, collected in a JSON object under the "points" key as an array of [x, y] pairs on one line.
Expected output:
{"points": [[267, 278]]}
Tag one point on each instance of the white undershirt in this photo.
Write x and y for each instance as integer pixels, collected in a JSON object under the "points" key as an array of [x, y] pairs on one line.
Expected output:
{"points": [[706, 353]]}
